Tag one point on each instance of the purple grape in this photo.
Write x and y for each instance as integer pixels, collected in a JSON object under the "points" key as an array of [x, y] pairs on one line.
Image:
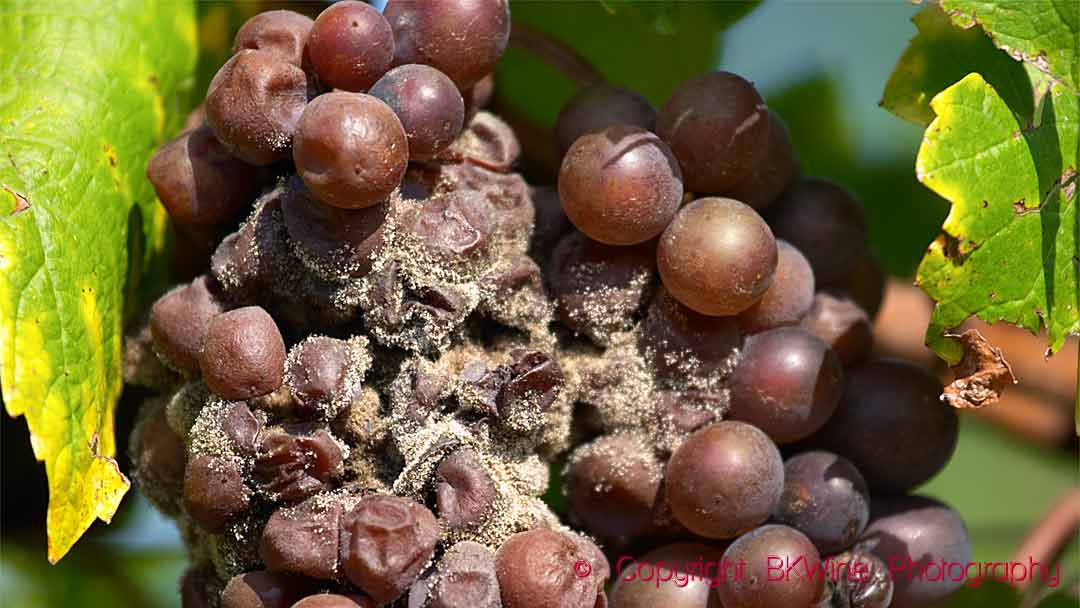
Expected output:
{"points": [[787, 383], [825, 498]]}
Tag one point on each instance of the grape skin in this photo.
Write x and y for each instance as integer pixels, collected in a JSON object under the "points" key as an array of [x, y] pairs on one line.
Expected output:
{"points": [[724, 480], [620, 185], [243, 355], [789, 296], [199, 182], [718, 127], [768, 546], [892, 425], [284, 33], [826, 223], [773, 173], [636, 585], [788, 383], [825, 498], [923, 531], [463, 40], [717, 257], [350, 150], [428, 104], [350, 46], [253, 105]]}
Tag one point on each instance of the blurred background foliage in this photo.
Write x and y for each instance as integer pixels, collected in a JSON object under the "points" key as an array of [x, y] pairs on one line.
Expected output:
{"points": [[822, 65]]}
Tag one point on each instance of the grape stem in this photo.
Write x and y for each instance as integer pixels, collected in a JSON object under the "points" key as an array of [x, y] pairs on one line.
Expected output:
{"points": [[555, 53], [1047, 540]]}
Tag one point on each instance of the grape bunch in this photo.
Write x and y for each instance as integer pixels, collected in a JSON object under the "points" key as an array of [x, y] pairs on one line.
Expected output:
{"points": [[390, 337]]}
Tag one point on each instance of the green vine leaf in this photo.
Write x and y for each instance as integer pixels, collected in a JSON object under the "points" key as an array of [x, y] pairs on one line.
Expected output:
{"points": [[1008, 251], [1042, 33], [93, 86], [940, 55]]}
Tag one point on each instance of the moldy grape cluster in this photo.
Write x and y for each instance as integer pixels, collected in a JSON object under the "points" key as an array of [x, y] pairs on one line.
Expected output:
{"points": [[392, 336]]}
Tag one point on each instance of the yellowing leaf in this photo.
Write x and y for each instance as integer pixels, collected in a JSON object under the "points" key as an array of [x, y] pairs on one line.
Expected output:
{"points": [[90, 88], [1008, 250]]}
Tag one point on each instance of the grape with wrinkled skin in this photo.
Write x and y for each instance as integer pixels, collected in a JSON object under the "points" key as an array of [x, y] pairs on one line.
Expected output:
{"points": [[253, 105], [290, 467], [684, 344], [620, 185], [303, 539], [464, 492], [428, 104], [335, 240], [486, 141], [922, 531], [789, 296], [759, 586], [536, 569], [317, 375], [861, 580], [686, 571], [892, 425], [718, 127], [385, 542], [214, 491], [600, 106], [599, 288], [199, 182], [350, 46], [262, 589], [466, 578], [612, 485], [463, 40], [724, 479], [825, 498], [773, 173], [243, 354], [281, 32], [787, 384], [824, 222], [241, 427], [454, 226], [179, 321], [843, 325], [350, 149], [717, 257]]}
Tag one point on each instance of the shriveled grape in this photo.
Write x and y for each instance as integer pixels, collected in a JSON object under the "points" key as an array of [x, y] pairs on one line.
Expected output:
{"points": [[385, 542], [254, 104], [283, 33]]}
